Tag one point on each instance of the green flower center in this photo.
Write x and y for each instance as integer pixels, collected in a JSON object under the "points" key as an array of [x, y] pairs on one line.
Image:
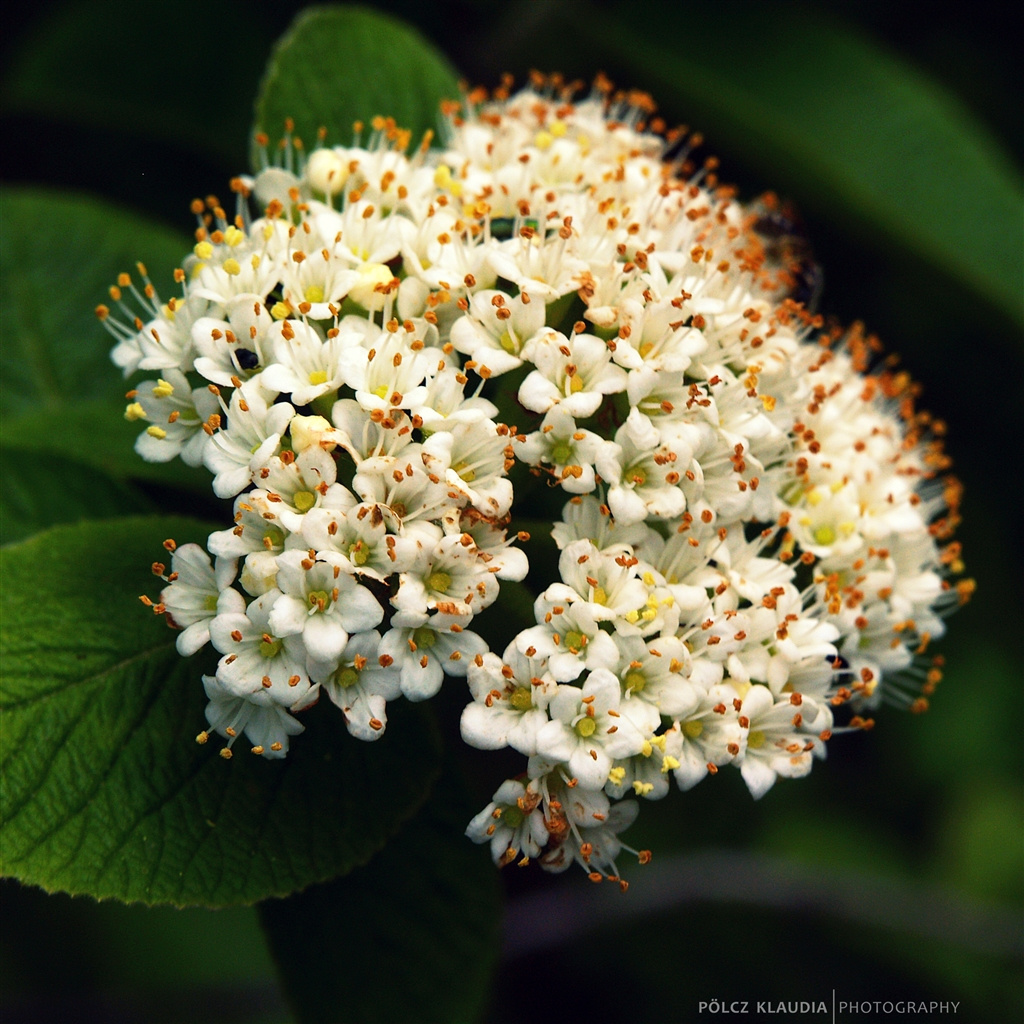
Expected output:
{"points": [[304, 500], [561, 453], [509, 344], [575, 640], [319, 599], [824, 535], [586, 726], [635, 681], [693, 729], [635, 474], [314, 293], [271, 648], [439, 582], [347, 677], [521, 698], [512, 816], [755, 739], [210, 604], [424, 637], [318, 377], [358, 553], [273, 538]]}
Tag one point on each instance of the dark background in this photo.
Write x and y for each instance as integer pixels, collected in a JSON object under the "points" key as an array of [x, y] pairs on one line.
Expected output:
{"points": [[893, 872]]}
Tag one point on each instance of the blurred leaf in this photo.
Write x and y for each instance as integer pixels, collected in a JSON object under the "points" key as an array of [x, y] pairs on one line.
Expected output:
{"points": [[61, 393], [854, 131], [339, 65], [982, 839], [135, 67], [43, 491], [94, 432], [411, 937], [105, 791]]}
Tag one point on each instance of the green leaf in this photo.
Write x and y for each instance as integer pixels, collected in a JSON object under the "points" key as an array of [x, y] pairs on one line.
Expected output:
{"points": [[411, 937], [166, 92], [41, 492], [104, 790], [61, 392], [861, 137], [339, 65]]}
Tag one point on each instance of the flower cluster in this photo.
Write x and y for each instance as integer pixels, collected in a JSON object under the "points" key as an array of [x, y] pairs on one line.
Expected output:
{"points": [[752, 526]]}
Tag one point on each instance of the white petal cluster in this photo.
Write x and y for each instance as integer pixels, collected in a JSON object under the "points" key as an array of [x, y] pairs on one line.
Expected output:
{"points": [[753, 531]]}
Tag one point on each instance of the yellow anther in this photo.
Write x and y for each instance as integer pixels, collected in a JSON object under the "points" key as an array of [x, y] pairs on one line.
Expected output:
{"points": [[279, 311], [558, 128], [134, 411], [542, 140], [158, 432], [233, 236], [231, 267], [669, 763], [163, 389], [642, 788], [203, 250]]}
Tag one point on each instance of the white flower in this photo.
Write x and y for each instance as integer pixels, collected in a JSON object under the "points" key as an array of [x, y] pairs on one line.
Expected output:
{"points": [[448, 584], [305, 365], [707, 737], [570, 637], [473, 460], [255, 660], [267, 724], [512, 823], [195, 594], [238, 347], [236, 265], [569, 451], [643, 482], [296, 486], [588, 730], [574, 372], [257, 536], [496, 327], [362, 684], [255, 427], [424, 655], [177, 414], [783, 737], [323, 604], [510, 699]]}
